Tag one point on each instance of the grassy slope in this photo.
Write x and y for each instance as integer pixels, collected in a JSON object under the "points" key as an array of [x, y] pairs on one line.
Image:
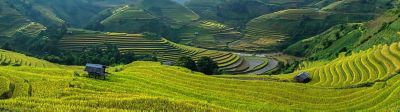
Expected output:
{"points": [[75, 13], [210, 34], [165, 50], [146, 15], [18, 15], [10, 19], [234, 13], [173, 12], [382, 30], [16, 59], [268, 30], [151, 86], [374, 65], [127, 18], [359, 6], [237, 12], [329, 43]]}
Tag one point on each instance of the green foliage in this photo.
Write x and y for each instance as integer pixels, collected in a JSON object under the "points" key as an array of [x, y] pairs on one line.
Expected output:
{"points": [[151, 36], [128, 19], [6, 46], [328, 44], [283, 28], [107, 54], [238, 12], [175, 13], [350, 38], [207, 66], [187, 62], [286, 68], [161, 50]]}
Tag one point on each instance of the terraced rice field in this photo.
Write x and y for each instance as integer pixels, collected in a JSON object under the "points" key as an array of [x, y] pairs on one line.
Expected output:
{"points": [[165, 50], [16, 59], [32, 29], [209, 34], [175, 13], [127, 13], [377, 64], [149, 86]]}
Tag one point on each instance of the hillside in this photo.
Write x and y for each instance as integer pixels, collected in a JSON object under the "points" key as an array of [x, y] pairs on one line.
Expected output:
{"points": [[208, 34], [74, 13], [149, 86], [165, 50], [238, 12], [17, 15], [280, 29], [11, 20], [127, 18], [144, 16], [174, 13], [365, 68], [350, 37], [222, 22], [16, 59], [200, 55], [374, 65]]}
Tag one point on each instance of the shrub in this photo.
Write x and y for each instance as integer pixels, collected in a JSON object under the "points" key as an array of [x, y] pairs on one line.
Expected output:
{"points": [[118, 69], [207, 66], [187, 62], [151, 36]]}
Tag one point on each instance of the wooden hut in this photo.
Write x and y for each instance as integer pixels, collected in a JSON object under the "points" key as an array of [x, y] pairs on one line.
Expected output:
{"points": [[303, 77], [96, 70]]}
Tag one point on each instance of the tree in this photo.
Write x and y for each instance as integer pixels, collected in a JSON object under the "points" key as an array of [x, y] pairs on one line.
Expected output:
{"points": [[7, 46], [128, 57], [187, 62], [207, 66], [151, 36]]}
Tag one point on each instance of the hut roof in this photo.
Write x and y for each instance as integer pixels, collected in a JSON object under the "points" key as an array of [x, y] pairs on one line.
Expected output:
{"points": [[95, 65], [303, 75]]}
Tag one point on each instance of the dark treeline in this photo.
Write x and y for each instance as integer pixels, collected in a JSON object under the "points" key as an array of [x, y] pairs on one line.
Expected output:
{"points": [[204, 65], [45, 46], [106, 54]]}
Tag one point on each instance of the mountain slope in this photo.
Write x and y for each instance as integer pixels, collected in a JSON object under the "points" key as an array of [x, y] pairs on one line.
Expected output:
{"points": [[208, 34], [127, 18], [282, 28], [144, 16], [166, 51], [16, 59], [231, 12], [11, 20], [149, 86], [174, 13], [374, 65], [382, 30]]}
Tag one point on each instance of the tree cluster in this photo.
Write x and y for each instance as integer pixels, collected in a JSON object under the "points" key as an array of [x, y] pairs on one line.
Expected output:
{"points": [[107, 54], [205, 65]]}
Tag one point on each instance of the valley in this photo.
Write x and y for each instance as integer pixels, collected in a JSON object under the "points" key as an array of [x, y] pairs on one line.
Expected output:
{"points": [[199, 55]]}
